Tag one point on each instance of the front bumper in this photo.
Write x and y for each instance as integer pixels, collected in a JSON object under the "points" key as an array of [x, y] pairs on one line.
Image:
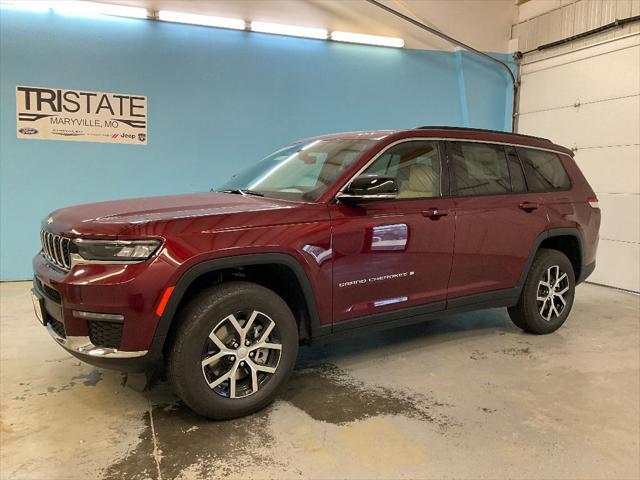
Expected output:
{"points": [[81, 345], [106, 289]]}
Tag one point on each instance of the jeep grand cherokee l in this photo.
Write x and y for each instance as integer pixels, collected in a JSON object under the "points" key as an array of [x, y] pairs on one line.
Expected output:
{"points": [[328, 236]]}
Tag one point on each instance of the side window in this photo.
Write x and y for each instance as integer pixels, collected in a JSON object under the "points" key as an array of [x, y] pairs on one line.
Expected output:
{"points": [[518, 183], [416, 167], [478, 169], [543, 170]]}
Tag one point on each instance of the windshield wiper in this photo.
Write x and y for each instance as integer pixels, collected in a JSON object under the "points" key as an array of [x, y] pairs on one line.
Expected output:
{"points": [[243, 192]]}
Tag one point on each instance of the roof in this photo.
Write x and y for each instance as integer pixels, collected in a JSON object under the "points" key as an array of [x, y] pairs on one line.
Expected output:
{"points": [[468, 129], [367, 135], [459, 133]]}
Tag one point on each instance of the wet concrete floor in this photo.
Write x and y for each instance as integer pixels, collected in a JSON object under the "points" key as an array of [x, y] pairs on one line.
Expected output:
{"points": [[469, 396]]}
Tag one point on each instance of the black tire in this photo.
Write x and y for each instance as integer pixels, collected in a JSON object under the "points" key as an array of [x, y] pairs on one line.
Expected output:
{"points": [[198, 319], [526, 314]]}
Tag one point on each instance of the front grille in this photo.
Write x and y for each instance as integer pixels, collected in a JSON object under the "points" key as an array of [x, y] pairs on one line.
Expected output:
{"points": [[51, 293], [55, 249], [105, 334], [58, 327]]}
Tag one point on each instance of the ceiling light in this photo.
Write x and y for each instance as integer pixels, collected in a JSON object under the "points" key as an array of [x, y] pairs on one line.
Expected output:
{"points": [[367, 39], [290, 30], [92, 9], [27, 6], [193, 19]]}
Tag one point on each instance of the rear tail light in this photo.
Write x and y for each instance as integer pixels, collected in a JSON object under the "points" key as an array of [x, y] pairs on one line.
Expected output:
{"points": [[593, 201]]}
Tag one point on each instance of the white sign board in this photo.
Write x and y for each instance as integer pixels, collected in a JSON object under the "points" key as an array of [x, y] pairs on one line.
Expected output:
{"points": [[80, 116]]}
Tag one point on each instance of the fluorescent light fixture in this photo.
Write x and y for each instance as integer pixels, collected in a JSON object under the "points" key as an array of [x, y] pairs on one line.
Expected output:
{"points": [[39, 7], [291, 30], [206, 20], [367, 39], [93, 9]]}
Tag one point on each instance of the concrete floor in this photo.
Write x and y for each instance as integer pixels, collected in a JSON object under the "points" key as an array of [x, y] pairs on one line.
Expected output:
{"points": [[466, 397]]}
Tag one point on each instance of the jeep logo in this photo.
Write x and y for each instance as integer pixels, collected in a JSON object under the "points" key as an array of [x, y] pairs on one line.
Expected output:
{"points": [[123, 135]]}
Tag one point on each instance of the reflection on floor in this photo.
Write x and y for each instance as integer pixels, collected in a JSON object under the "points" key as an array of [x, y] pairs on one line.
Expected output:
{"points": [[470, 396]]}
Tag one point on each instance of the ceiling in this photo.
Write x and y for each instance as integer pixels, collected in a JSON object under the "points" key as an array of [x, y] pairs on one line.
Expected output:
{"points": [[484, 24]]}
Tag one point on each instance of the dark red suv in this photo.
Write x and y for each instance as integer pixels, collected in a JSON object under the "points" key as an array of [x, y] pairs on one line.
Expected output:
{"points": [[332, 235]]}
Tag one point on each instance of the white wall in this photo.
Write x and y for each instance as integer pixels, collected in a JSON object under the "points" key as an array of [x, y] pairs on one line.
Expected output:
{"points": [[586, 96], [571, 18], [534, 8]]}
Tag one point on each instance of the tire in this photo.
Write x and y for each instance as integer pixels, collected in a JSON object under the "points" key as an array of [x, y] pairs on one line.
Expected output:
{"points": [[539, 310], [193, 346]]}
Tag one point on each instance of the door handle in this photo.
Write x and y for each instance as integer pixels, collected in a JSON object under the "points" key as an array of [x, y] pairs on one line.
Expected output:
{"points": [[528, 206], [434, 213]]}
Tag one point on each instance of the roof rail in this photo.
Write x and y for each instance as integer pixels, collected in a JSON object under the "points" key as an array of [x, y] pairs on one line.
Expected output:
{"points": [[469, 129]]}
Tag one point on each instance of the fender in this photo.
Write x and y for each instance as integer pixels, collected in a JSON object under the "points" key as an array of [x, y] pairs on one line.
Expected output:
{"points": [[554, 232], [230, 262]]}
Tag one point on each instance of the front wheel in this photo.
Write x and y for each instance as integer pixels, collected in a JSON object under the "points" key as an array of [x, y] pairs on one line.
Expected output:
{"points": [[234, 349], [547, 295]]}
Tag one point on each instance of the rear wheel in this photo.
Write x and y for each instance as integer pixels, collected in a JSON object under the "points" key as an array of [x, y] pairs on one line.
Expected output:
{"points": [[234, 350], [547, 295]]}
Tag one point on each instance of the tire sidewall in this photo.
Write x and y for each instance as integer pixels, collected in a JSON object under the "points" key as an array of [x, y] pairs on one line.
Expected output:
{"points": [[208, 312], [547, 260]]}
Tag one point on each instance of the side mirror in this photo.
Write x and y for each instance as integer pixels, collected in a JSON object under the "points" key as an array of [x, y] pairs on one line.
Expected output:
{"points": [[365, 188]]}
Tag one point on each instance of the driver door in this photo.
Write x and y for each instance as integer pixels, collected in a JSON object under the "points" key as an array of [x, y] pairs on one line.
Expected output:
{"points": [[392, 258]]}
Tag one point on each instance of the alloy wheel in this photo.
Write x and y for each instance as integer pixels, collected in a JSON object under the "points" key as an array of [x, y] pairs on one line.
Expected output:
{"points": [[241, 354], [552, 293]]}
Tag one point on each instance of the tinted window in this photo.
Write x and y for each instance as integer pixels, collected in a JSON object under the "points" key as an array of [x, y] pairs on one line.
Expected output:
{"points": [[478, 169], [415, 166], [543, 170], [515, 170]]}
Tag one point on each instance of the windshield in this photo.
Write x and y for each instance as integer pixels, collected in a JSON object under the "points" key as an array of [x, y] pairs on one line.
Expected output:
{"points": [[299, 172]]}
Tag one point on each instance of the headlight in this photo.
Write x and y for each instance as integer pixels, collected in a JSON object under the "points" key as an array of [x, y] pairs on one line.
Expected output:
{"points": [[116, 250]]}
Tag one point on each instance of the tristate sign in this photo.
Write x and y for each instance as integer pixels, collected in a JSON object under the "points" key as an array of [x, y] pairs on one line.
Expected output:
{"points": [[80, 116]]}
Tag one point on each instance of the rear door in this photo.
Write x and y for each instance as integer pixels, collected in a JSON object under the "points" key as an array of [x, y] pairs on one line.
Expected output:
{"points": [[394, 254], [547, 177], [497, 221]]}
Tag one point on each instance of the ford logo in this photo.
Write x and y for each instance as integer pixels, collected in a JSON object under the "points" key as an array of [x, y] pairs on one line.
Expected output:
{"points": [[28, 131]]}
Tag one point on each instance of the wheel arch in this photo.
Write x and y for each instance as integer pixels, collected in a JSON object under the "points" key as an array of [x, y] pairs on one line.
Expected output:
{"points": [[307, 325], [562, 239]]}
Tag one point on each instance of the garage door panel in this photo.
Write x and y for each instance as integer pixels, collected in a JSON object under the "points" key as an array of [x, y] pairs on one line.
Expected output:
{"points": [[570, 53], [604, 129], [615, 122], [620, 217], [611, 169], [585, 80], [619, 261]]}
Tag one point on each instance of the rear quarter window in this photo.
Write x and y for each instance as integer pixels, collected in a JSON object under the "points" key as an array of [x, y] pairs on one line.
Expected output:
{"points": [[543, 170]]}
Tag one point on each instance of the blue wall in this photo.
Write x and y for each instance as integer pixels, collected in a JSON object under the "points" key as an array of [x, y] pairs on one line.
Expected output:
{"points": [[217, 101]]}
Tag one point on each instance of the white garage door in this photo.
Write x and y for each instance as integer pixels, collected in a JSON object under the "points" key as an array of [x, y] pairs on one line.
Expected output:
{"points": [[589, 100]]}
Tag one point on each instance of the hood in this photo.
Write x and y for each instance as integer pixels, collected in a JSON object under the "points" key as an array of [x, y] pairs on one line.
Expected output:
{"points": [[114, 217]]}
